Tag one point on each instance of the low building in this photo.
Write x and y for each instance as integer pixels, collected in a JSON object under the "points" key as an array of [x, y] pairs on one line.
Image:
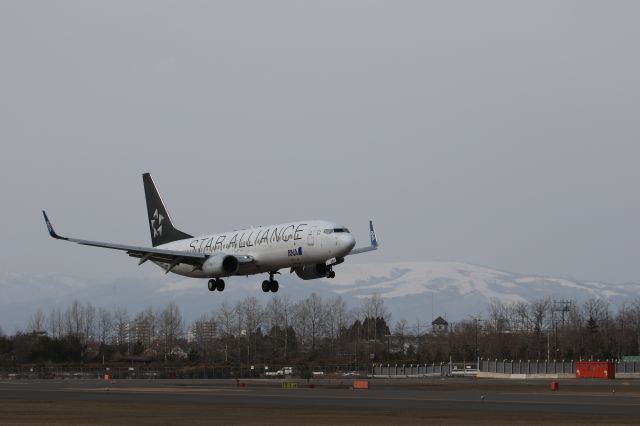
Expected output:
{"points": [[439, 325]]}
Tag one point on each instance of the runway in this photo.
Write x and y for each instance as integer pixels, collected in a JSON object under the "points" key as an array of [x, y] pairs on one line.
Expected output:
{"points": [[406, 401]]}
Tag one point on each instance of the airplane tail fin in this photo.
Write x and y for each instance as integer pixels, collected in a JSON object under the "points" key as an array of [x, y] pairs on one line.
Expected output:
{"points": [[372, 234], [160, 225]]}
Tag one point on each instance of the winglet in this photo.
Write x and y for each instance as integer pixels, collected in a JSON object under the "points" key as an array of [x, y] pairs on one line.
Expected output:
{"points": [[50, 228], [371, 247], [372, 232]]}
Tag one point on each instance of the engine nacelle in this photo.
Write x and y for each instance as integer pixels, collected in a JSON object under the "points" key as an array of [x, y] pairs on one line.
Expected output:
{"points": [[312, 271], [220, 265]]}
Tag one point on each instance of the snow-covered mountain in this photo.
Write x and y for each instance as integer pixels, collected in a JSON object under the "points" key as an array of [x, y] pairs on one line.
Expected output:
{"points": [[459, 290], [410, 289]]}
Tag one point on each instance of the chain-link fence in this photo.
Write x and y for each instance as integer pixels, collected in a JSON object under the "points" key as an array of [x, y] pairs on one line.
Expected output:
{"points": [[490, 366], [528, 367], [506, 367], [410, 370], [183, 372]]}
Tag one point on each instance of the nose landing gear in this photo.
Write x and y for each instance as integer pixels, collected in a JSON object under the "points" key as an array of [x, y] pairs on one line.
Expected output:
{"points": [[216, 284], [270, 284]]}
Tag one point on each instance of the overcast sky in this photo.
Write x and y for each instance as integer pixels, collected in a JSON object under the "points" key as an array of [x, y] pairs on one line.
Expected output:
{"points": [[504, 134]]}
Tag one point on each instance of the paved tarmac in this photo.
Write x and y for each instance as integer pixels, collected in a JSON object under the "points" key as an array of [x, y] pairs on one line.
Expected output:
{"points": [[617, 401]]}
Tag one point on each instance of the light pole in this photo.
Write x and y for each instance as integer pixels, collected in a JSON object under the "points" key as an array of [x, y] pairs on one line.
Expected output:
{"points": [[388, 336], [477, 320]]}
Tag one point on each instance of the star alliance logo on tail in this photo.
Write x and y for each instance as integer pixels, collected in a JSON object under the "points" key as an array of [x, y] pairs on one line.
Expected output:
{"points": [[156, 224]]}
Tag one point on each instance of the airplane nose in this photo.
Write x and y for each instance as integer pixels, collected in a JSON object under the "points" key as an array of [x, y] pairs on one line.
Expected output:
{"points": [[348, 242], [352, 242]]}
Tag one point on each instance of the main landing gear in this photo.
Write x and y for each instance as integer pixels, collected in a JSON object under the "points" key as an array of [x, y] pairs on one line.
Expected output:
{"points": [[217, 284], [270, 284], [331, 273]]}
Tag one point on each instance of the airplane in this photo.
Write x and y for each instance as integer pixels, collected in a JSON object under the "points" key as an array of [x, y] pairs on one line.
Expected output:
{"points": [[310, 248]]}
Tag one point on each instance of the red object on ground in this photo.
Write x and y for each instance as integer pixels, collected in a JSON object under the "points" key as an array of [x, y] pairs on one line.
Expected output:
{"points": [[312, 386], [554, 386], [595, 370], [361, 384]]}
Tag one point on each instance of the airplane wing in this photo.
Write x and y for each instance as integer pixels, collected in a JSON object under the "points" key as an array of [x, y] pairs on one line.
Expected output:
{"points": [[172, 257], [374, 242]]}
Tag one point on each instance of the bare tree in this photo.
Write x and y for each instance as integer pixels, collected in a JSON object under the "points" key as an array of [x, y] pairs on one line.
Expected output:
{"points": [[104, 325], [170, 327], [89, 322], [273, 312], [253, 319], [521, 319], [366, 311], [275, 318], [336, 320], [634, 320], [373, 311], [540, 313], [498, 316], [301, 322], [401, 331], [226, 318], [240, 329], [73, 318], [55, 323], [379, 311], [315, 309], [120, 323], [287, 315], [597, 308], [37, 321], [144, 327]]}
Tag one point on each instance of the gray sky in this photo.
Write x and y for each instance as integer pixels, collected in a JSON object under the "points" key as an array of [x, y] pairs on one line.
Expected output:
{"points": [[497, 133]]}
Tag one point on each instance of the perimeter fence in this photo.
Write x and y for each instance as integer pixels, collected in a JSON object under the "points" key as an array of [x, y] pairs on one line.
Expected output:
{"points": [[178, 372], [375, 370], [489, 366]]}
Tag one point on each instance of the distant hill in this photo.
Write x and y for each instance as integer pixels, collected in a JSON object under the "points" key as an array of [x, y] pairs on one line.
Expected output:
{"points": [[456, 290]]}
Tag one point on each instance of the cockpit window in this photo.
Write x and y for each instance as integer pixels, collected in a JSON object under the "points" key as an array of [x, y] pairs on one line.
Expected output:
{"points": [[336, 230]]}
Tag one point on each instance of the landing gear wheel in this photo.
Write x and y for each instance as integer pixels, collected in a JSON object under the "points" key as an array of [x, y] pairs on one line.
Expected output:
{"points": [[274, 286], [266, 285], [212, 285], [331, 274], [220, 285]]}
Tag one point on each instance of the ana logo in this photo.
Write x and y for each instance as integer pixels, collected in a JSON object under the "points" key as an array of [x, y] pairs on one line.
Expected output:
{"points": [[156, 224], [295, 252]]}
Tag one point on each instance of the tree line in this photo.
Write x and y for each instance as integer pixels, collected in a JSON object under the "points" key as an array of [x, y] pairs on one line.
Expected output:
{"points": [[323, 330]]}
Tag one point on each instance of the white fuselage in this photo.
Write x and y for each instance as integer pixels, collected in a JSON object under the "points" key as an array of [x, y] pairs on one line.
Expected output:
{"points": [[272, 247]]}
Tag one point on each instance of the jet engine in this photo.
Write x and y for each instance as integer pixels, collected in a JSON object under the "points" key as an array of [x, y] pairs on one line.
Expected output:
{"points": [[312, 271], [220, 265]]}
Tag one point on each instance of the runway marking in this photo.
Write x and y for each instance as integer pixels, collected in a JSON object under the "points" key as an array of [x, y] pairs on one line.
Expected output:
{"points": [[574, 394], [153, 390], [382, 398], [312, 394], [550, 399]]}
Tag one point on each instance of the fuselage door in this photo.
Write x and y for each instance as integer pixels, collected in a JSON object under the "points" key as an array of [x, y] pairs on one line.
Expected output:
{"points": [[311, 235]]}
